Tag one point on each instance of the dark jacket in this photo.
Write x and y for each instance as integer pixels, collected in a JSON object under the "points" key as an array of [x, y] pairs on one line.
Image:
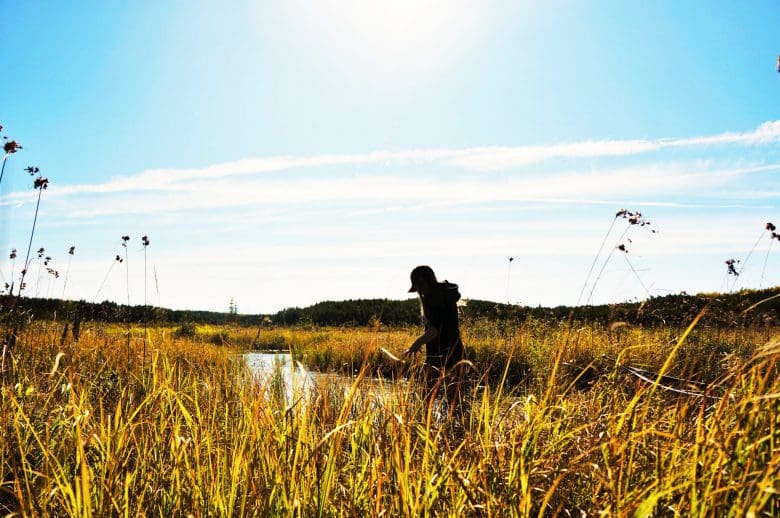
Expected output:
{"points": [[441, 312]]}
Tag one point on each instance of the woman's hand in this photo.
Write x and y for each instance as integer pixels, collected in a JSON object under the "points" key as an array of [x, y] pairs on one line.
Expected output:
{"points": [[430, 334], [416, 346]]}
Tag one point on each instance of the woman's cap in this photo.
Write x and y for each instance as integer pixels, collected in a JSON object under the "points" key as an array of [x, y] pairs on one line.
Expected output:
{"points": [[421, 272]]}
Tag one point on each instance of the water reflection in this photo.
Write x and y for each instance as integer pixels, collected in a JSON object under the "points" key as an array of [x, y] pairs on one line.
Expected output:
{"points": [[278, 367], [283, 373], [290, 379]]}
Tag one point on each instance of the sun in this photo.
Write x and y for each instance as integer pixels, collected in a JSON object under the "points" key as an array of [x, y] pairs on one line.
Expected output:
{"points": [[395, 35]]}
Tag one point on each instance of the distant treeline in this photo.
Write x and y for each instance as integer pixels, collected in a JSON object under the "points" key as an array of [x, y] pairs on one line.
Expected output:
{"points": [[53, 309], [745, 307], [724, 309]]}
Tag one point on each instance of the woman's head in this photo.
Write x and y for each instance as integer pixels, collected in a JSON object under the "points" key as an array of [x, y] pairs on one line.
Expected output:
{"points": [[423, 280]]}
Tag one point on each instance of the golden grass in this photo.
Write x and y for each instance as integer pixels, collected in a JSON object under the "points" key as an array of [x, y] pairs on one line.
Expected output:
{"points": [[87, 429]]}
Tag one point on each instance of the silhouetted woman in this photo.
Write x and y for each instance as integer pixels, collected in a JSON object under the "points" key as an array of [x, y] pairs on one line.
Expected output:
{"points": [[443, 346]]}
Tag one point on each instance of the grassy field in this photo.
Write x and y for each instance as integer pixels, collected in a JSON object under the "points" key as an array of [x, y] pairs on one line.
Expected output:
{"points": [[89, 428]]}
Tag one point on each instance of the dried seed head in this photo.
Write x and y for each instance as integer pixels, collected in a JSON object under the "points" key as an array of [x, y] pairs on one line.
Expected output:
{"points": [[11, 146], [634, 218], [13, 254], [72, 250], [41, 183], [731, 267], [770, 226]]}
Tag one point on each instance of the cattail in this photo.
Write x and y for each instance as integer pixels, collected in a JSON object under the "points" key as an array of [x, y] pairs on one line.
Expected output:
{"points": [[731, 267], [40, 184], [508, 276], [12, 257], [117, 259], [634, 218], [71, 251], [39, 253], [10, 147], [125, 239], [770, 227], [145, 242]]}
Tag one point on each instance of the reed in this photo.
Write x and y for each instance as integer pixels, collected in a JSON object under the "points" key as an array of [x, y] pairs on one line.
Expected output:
{"points": [[84, 431]]}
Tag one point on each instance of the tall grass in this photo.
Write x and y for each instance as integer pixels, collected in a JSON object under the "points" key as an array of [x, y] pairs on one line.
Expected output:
{"points": [[85, 432]]}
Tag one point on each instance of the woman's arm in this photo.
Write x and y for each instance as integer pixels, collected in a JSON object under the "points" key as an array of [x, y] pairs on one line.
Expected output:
{"points": [[430, 334]]}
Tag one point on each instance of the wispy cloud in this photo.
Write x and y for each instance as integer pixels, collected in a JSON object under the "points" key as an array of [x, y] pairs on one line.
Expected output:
{"points": [[384, 192], [497, 158], [473, 159], [753, 195], [267, 218]]}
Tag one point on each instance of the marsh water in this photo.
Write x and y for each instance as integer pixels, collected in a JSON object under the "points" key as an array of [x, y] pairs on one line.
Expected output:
{"points": [[297, 382], [294, 376], [275, 367]]}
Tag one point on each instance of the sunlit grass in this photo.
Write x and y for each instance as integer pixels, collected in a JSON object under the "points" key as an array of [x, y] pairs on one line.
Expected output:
{"points": [[86, 429]]}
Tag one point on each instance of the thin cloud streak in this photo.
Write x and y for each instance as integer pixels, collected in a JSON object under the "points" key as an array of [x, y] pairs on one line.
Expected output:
{"points": [[398, 192], [754, 194], [498, 158], [564, 201], [474, 159]]}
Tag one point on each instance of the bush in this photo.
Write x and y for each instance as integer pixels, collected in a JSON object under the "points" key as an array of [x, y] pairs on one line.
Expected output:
{"points": [[220, 338], [188, 330]]}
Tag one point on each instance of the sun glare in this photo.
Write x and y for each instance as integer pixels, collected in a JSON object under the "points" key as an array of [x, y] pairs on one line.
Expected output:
{"points": [[391, 34]]}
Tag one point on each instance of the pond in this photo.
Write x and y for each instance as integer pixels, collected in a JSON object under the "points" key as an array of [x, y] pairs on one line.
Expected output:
{"points": [[295, 377], [298, 380], [298, 383]]}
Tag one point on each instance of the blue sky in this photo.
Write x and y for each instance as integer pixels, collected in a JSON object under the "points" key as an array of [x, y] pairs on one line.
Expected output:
{"points": [[282, 153]]}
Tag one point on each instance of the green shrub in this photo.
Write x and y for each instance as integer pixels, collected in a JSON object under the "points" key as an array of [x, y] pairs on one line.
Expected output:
{"points": [[188, 330], [220, 338]]}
